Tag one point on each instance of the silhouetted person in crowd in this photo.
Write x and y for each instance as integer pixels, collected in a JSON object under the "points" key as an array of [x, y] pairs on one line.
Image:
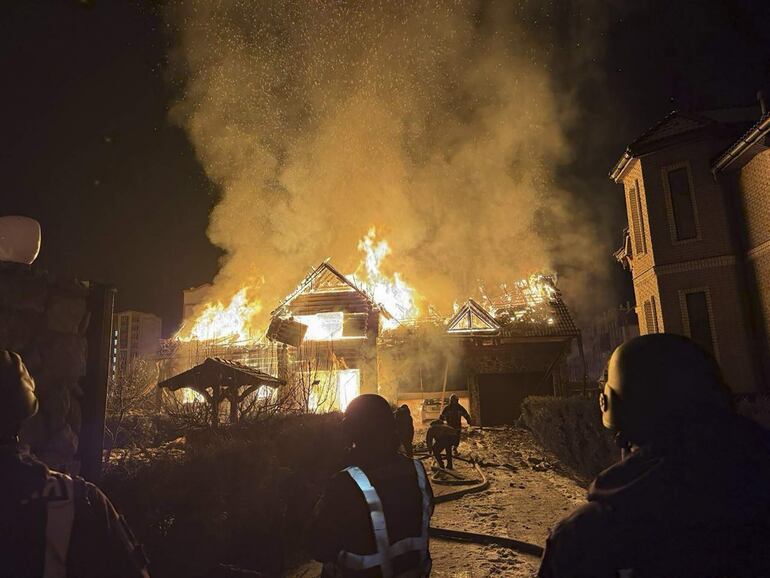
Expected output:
{"points": [[453, 414], [373, 518], [441, 438], [52, 524], [690, 497], [405, 428]]}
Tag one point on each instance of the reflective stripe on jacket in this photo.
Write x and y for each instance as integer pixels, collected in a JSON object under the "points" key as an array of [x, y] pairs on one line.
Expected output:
{"points": [[386, 551], [56, 525], [58, 498], [59, 495]]}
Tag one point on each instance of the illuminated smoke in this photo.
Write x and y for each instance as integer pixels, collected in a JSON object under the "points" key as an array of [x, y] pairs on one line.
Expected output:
{"points": [[435, 122]]}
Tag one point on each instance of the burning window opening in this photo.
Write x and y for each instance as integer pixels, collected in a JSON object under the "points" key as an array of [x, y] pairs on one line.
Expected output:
{"points": [[334, 390], [322, 326]]}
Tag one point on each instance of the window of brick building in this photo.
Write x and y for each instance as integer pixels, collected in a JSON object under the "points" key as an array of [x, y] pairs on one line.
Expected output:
{"points": [[637, 219], [681, 203], [651, 315], [699, 319]]}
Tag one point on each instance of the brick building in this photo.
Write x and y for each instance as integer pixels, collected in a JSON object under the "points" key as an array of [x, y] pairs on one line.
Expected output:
{"points": [[606, 331], [697, 189]]}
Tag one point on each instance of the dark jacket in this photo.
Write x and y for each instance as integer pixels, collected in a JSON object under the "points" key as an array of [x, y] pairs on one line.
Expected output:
{"points": [[442, 436], [341, 520], [404, 425], [695, 503], [101, 545], [453, 413]]}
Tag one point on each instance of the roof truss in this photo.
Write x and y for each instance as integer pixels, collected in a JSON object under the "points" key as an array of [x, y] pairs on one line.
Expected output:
{"points": [[472, 318], [323, 279]]}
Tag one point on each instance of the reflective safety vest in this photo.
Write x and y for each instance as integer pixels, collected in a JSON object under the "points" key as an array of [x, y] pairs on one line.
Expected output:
{"points": [[58, 493], [386, 551]]}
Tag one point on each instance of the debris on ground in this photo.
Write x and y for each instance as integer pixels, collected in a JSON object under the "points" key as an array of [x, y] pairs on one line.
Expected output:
{"points": [[529, 492]]}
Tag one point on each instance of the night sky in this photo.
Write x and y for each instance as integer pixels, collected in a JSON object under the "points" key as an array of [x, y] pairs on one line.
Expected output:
{"points": [[88, 149]]}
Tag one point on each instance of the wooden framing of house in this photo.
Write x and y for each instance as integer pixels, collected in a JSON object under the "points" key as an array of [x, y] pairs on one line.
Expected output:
{"points": [[497, 358], [338, 324], [499, 352]]}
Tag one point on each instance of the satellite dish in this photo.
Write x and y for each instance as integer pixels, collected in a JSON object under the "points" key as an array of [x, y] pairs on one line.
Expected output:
{"points": [[19, 239]]}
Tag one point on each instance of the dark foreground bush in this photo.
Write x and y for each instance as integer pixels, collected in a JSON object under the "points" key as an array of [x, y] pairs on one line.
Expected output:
{"points": [[571, 428], [237, 498], [140, 430]]}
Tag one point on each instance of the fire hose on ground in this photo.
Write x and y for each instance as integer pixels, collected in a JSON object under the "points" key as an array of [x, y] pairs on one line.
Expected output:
{"points": [[448, 477]]}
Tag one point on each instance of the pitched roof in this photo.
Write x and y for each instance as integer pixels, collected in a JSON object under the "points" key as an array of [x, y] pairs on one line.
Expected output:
{"points": [[558, 324], [324, 279], [524, 310], [218, 371], [678, 126], [751, 139], [672, 127]]}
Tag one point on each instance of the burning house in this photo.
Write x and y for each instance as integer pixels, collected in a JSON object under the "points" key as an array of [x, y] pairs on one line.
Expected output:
{"points": [[495, 354], [337, 336], [329, 329]]}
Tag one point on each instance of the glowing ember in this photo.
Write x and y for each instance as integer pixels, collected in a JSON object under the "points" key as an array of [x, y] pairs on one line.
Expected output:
{"points": [[398, 298], [231, 322], [526, 302], [537, 289]]}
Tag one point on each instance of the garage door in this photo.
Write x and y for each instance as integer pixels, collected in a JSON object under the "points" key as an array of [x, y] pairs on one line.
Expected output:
{"points": [[501, 394]]}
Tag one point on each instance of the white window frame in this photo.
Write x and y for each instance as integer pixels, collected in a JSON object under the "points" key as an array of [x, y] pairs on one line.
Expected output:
{"points": [[664, 171], [683, 293]]}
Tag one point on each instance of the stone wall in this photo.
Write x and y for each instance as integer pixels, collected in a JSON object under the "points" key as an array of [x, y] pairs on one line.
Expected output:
{"points": [[45, 319]]}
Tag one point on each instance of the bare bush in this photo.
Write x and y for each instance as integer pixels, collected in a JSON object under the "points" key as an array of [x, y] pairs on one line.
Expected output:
{"points": [[131, 393], [239, 496]]}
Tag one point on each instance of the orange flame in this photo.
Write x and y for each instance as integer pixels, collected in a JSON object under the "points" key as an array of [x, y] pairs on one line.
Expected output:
{"points": [[234, 321], [231, 322], [392, 293]]}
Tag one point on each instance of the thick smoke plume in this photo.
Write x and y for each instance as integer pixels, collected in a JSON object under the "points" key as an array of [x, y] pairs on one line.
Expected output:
{"points": [[437, 122]]}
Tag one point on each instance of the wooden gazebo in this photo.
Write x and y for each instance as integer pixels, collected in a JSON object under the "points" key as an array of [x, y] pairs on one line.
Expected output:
{"points": [[218, 379]]}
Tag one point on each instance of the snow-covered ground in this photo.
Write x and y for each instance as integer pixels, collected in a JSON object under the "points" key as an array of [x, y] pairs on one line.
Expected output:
{"points": [[528, 493]]}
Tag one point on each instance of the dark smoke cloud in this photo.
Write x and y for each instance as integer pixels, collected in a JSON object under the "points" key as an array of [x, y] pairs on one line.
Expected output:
{"points": [[437, 122]]}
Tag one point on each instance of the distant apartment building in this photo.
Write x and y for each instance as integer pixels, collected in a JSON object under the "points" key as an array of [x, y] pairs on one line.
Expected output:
{"points": [[697, 189], [135, 335]]}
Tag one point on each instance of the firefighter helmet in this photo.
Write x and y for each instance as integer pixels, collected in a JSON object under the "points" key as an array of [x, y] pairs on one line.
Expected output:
{"points": [[17, 391], [368, 417], [658, 376]]}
